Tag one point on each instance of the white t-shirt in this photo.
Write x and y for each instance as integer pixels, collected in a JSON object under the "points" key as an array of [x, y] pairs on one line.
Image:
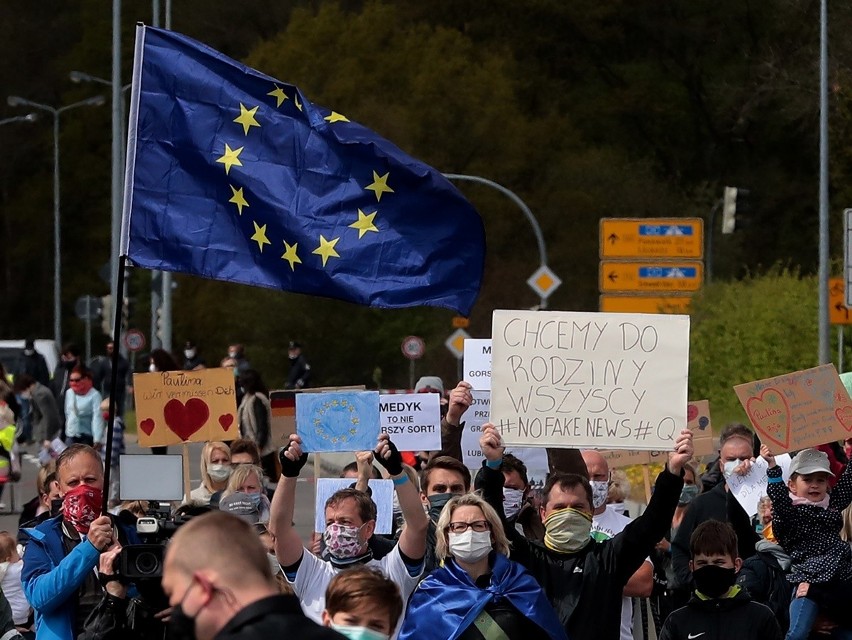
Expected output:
{"points": [[14, 591], [314, 574], [605, 526]]}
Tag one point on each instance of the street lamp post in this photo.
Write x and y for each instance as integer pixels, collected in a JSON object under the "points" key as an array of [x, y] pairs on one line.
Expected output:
{"points": [[17, 101], [30, 117]]}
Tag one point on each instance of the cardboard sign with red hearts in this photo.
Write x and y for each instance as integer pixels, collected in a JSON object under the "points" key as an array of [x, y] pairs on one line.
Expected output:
{"points": [[798, 410], [173, 407]]}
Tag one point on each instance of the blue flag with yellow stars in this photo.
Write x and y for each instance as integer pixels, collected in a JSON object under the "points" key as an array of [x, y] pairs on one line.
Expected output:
{"points": [[237, 176]]}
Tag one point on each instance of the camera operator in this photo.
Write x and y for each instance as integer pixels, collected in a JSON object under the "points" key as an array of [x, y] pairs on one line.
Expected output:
{"points": [[59, 575], [214, 596]]}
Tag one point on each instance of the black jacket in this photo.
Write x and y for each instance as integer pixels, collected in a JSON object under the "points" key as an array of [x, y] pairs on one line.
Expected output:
{"points": [[274, 617], [736, 617], [585, 587], [716, 504], [300, 373], [766, 580]]}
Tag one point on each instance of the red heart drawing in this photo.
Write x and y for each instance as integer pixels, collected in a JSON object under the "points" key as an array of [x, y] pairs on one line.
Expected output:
{"points": [[186, 419], [844, 416], [226, 421], [770, 415], [147, 426], [691, 412]]}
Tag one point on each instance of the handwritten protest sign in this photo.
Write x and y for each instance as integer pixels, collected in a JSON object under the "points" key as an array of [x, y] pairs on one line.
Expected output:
{"points": [[338, 421], [607, 380], [381, 493], [412, 420], [477, 363], [798, 410], [185, 406], [750, 488], [475, 417], [284, 410]]}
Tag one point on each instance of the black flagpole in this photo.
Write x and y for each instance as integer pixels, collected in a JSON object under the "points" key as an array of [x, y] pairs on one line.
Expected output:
{"points": [[113, 381]]}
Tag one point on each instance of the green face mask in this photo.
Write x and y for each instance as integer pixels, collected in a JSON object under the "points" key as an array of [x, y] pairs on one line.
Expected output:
{"points": [[358, 633], [567, 530]]}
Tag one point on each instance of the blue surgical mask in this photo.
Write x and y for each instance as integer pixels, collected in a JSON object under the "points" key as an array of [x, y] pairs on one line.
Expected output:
{"points": [[254, 498], [687, 494], [358, 633]]}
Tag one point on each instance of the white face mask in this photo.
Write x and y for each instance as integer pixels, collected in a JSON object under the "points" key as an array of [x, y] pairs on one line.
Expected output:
{"points": [[152, 368], [513, 500], [219, 472], [470, 546], [730, 465], [600, 490], [189, 354]]}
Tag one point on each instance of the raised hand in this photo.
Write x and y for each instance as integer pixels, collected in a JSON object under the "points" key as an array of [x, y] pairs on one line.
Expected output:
{"points": [[460, 399], [292, 457], [766, 454], [491, 442], [681, 452], [387, 455]]}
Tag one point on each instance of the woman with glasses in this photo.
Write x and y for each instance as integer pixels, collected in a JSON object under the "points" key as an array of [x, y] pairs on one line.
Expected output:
{"points": [[84, 423], [477, 593]]}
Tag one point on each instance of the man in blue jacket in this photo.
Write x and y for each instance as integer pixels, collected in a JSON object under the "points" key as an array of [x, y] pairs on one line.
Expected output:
{"points": [[59, 577]]}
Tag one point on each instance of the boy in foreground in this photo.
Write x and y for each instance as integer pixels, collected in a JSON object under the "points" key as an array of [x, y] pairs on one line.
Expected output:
{"points": [[718, 608]]}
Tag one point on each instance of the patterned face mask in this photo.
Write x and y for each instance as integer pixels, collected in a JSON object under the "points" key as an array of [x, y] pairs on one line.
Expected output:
{"points": [[343, 541], [81, 506], [600, 490]]}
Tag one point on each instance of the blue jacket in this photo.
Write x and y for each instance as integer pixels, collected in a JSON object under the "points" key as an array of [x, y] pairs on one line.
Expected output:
{"points": [[51, 579]]}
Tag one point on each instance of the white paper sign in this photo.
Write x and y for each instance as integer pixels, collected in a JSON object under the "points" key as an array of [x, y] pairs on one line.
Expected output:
{"points": [[476, 416], [477, 363], [589, 380], [750, 488], [382, 494], [412, 420]]}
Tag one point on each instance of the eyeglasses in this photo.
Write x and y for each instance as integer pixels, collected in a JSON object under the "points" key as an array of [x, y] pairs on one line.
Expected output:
{"points": [[461, 527], [74, 379]]}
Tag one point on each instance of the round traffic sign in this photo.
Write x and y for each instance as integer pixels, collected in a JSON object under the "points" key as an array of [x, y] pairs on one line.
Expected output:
{"points": [[134, 340], [413, 347]]}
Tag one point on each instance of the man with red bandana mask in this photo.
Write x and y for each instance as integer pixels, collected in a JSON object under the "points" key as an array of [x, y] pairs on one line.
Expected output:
{"points": [[59, 577]]}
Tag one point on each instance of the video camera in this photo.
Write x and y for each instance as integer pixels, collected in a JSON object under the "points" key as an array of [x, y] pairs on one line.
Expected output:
{"points": [[157, 480]]}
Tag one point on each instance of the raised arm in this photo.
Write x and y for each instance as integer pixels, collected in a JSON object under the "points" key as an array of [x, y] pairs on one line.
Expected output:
{"points": [[288, 545], [451, 425], [841, 494], [776, 488], [412, 540], [364, 460]]}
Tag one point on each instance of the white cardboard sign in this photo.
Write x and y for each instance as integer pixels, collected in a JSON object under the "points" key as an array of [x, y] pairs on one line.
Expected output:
{"points": [[589, 380], [412, 420], [477, 363], [750, 488], [381, 493]]}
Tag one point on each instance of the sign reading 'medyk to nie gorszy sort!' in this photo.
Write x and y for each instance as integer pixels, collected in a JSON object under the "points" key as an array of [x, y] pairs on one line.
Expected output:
{"points": [[604, 380]]}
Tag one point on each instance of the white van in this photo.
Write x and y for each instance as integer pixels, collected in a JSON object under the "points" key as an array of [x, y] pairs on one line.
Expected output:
{"points": [[11, 351]]}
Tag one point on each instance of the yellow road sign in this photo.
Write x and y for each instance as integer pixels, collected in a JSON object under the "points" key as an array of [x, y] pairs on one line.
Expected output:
{"points": [[838, 312], [651, 238], [644, 304], [650, 276]]}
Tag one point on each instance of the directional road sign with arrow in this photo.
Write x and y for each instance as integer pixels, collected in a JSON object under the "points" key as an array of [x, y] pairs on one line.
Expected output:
{"points": [[838, 312], [651, 276], [675, 238]]}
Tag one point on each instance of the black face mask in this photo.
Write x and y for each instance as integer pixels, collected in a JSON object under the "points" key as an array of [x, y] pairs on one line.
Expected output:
{"points": [[714, 581], [55, 507], [181, 626], [436, 504]]}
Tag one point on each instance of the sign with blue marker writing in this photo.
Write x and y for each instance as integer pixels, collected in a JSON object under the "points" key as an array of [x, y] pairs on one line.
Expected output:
{"points": [[477, 363], [341, 421], [597, 380], [412, 420]]}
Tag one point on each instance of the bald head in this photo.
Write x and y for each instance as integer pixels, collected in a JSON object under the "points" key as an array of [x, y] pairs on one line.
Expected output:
{"points": [[223, 543], [596, 465]]}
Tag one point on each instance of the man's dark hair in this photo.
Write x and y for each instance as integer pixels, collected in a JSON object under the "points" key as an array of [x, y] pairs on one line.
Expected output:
{"points": [[566, 481], [366, 506], [444, 462], [511, 463], [713, 537], [71, 348], [353, 466], [244, 445], [23, 382], [736, 430]]}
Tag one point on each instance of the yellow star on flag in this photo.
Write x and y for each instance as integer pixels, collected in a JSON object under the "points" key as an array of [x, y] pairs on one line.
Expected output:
{"points": [[296, 101], [231, 158], [335, 117], [326, 249], [379, 185], [290, 255], [364, 223], [260, 236], [246, 118], [238, 198], [279, 95]]}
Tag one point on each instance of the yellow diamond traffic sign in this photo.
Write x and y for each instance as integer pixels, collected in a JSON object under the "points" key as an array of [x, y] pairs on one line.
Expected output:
{"points": [[544, 281], [455, 343]]}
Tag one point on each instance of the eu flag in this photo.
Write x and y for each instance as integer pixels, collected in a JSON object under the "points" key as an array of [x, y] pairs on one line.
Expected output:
{"points": [[237, 176]]}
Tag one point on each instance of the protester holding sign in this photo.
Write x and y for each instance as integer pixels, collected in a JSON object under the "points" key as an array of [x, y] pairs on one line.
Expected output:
{"points": [[583, 579], [807, 522], [478, 591], [350, 522]]}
